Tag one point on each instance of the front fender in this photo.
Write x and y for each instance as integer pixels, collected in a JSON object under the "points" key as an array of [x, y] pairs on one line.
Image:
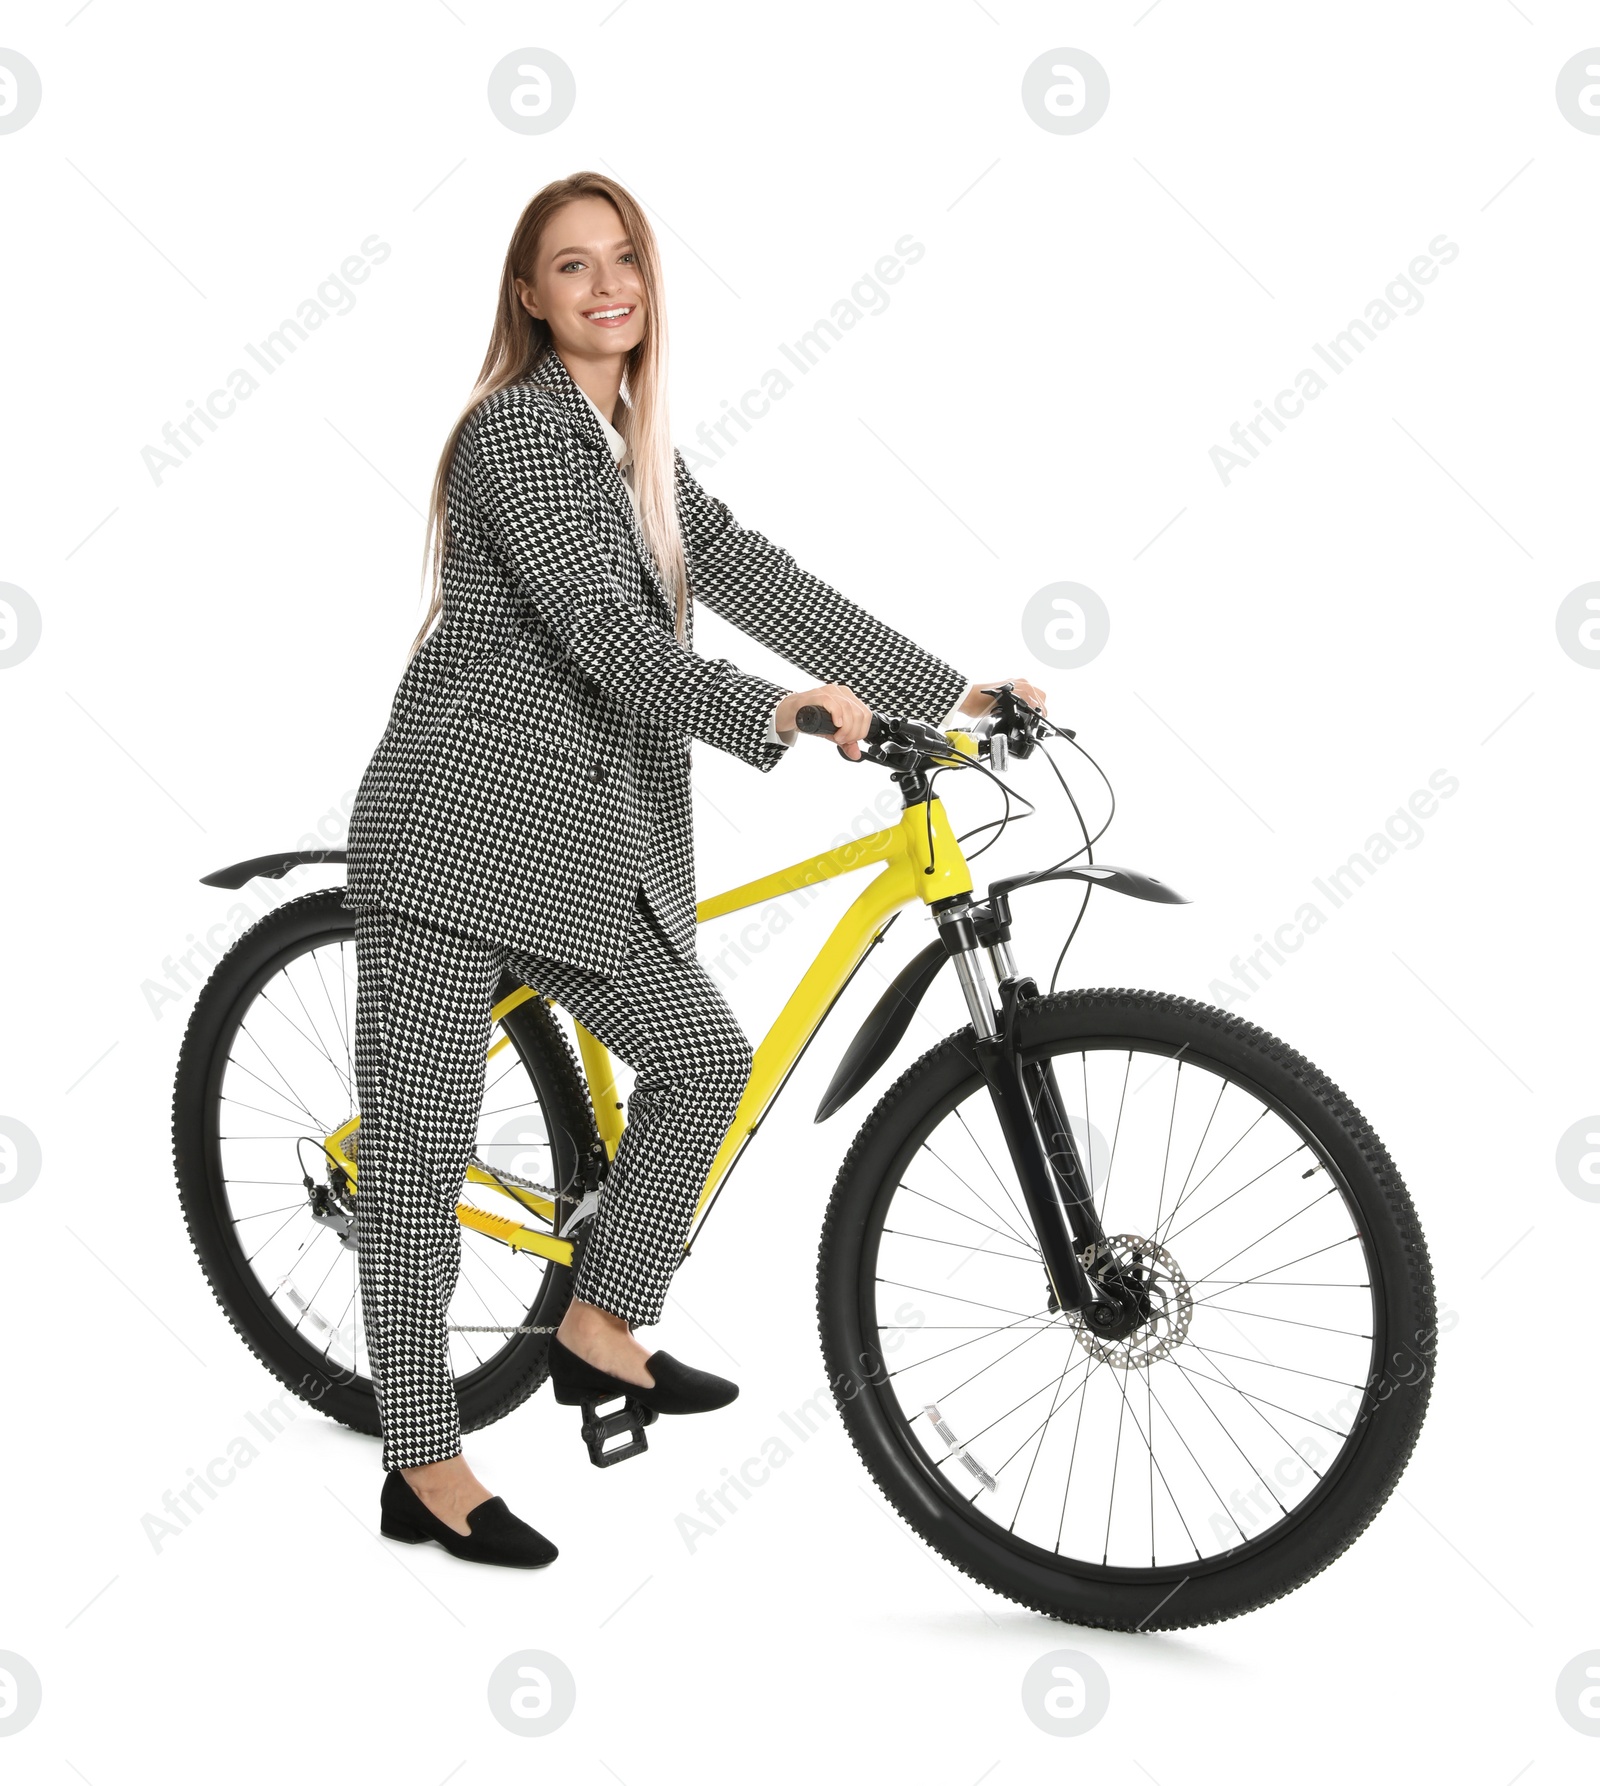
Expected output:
{"points": [[886, 1023], [890, 1017]]}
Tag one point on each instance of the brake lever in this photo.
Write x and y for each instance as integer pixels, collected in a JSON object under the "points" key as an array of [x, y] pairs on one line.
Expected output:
{"points": [[909, 738], [1015, 724]]}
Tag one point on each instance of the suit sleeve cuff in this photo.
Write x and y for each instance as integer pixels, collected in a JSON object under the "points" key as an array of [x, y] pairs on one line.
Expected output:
{"points": [[774, 736]]}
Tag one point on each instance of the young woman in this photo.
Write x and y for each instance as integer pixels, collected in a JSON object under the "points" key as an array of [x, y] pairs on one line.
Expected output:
{"points": [[527, 808]]}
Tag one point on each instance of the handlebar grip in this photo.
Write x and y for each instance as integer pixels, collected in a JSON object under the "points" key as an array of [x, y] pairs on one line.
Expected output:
{"points": [[818, 723]]}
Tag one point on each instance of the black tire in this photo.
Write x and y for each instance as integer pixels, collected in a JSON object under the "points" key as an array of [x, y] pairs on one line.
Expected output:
{"points": [[1373, 1453], [489, 1389]]}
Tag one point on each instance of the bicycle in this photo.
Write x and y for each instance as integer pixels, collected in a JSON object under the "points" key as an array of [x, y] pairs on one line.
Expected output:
{"points": [[1124, 1423]]}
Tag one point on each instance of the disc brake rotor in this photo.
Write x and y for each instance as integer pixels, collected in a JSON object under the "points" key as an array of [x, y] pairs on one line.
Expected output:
{"points": [[1153, 1271]]}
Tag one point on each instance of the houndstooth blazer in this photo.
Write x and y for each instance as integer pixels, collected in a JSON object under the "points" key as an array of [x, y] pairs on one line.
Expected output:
{"points": [[535, 767]]}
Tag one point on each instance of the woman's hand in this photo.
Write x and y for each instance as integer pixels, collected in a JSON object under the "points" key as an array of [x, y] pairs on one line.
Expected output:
{"points": [[848, 714], [976, 703]]}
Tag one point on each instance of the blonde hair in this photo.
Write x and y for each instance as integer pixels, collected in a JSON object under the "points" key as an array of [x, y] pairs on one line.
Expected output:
{"points": [[519, 340]]}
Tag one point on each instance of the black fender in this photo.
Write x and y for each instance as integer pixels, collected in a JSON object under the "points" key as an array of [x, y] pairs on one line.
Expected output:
{"points": [[890, 1017], [1099, 874], [272, 868], [886, 1023]]}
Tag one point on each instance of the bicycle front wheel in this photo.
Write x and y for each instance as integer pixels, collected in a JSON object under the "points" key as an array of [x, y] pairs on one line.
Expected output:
{"points": [[1224, 1451]]}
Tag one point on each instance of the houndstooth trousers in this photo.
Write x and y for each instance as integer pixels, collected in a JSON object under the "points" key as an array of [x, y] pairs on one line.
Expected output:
{"points": [[423, 998]]}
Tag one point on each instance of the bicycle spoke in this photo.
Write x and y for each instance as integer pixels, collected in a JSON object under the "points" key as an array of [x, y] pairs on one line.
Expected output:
{"points": [[1205, 1352], [1077, 1433], [314, 1037], [1116, 1458], [513, 1061], [1287, 1283], [1236, 1283], [1173, 1235], [1187, 1378], [983, 1154], [1272, 1230], [1072, 1365], [258, 1214], [344, 1031], [1223, 1308], [1033, 1463], [1200, 1146], [1151, 1451], [1154, 1470], [483, 1260], [274, 1235], [294, 1096], [1261, 1117], [984, 1369], [235, 1063], [983, 1333], [506, 1109], [988, 1252], [357, 1345], [1111, 1162], [1172, 1118], [1177, 1430], [1040, 1429], [973, 1438], [1002, 1233], [1024, 1236], [465, 1280], [292, 1119], [1222, 1383], [338, 1328], [1268, 1364], [895, 1284], [312, 1298]]}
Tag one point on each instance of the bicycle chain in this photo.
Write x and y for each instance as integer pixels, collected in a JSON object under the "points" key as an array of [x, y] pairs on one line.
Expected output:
{"points": [[450, 1327], [342, 1196], [544, 1190]]}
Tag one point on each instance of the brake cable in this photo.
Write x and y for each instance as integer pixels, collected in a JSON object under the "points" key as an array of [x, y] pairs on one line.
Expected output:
{"points": [[1085, 849]]}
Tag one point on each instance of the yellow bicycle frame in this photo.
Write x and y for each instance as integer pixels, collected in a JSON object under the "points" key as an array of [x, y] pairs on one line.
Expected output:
{"points": [[911, 871]]}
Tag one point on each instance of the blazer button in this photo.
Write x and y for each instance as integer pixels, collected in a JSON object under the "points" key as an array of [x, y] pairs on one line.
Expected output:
{"points": [[599, 773]]}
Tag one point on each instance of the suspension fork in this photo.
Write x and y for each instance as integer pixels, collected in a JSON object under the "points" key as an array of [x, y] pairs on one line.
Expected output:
{"points": [[1055, 1187]]}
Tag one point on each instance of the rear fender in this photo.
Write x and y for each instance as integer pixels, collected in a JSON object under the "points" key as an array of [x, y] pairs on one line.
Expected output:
{"points": [[272, 868]]}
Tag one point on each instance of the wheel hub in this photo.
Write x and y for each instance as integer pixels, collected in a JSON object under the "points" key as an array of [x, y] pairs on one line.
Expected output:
{"points": [[1156, 1304]]}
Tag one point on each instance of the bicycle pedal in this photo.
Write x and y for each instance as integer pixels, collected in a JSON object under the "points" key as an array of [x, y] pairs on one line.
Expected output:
{"points": [[599, 1429]]}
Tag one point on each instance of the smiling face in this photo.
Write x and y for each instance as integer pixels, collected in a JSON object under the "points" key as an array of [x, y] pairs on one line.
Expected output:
{"points": [[586, 282]]}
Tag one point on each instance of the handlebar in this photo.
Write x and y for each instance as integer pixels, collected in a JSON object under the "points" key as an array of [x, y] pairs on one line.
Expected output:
{"points": [[1010, 730], [817, 722]]}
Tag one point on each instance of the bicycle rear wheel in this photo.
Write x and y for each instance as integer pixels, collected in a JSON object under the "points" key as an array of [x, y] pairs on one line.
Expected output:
{"points": [[1227, 1449], [266, 1070]]}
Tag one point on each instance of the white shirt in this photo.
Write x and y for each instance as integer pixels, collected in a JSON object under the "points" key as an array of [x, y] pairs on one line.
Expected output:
{"points": [[618, 447]]}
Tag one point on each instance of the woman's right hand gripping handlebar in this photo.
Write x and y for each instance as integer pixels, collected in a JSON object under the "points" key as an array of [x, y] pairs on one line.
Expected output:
{"points": [[852, 718]]}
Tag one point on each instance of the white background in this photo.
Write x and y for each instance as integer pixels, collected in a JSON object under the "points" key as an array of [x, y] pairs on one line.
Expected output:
{"points": [[1372, 601]]}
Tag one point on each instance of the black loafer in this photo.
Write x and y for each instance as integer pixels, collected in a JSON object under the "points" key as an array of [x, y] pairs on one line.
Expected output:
{"points": [[498, 1536], [678, 1388]]}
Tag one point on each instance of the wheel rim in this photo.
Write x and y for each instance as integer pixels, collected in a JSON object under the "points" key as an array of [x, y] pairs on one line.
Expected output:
{"points": [[1217, 1425], [283, 1072]]}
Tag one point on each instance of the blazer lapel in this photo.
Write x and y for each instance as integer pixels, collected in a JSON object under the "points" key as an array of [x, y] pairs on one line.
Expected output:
{"points": [[552, 375]]}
